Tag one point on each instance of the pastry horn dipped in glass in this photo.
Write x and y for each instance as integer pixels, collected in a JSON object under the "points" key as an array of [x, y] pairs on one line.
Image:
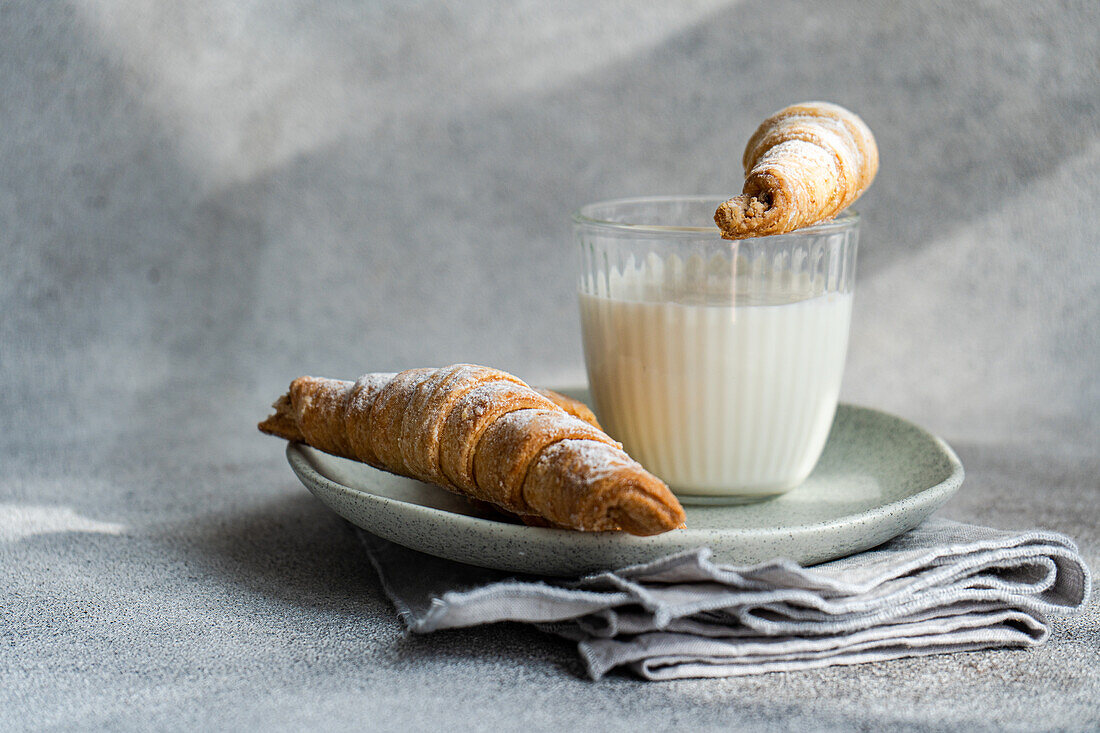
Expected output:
{"points": [[804, 165], [718, 363]]}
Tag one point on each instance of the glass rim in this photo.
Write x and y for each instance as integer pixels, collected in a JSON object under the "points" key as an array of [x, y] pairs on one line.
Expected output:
{"points": [[845, 220]]}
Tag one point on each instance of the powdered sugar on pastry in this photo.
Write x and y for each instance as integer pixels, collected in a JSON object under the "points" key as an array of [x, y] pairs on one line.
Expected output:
{"points": [[485, 434]]}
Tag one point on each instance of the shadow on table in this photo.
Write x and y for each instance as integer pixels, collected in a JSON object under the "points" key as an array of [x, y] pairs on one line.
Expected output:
{"points": [[292, 550]]}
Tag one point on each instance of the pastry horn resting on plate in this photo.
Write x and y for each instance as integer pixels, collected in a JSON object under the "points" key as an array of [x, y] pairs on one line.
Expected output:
{"points": [[804, 165], [485, 434]]}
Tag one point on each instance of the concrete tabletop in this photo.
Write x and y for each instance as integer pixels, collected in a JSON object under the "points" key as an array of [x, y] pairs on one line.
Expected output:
{"points": [[201, 201]]}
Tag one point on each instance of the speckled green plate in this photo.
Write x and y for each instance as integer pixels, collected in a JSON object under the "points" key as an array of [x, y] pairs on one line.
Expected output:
{"points": [[878, 477]]}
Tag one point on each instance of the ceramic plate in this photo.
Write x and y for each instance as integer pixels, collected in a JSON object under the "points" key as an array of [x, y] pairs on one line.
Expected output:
{"points": [[878, 477]]}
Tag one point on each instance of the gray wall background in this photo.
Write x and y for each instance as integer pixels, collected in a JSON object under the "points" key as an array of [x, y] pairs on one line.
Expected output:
{"points": [[227, 195]]}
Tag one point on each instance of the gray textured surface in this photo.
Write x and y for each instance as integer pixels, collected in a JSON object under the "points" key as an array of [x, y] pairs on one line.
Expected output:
{"points": [[200, 200]]}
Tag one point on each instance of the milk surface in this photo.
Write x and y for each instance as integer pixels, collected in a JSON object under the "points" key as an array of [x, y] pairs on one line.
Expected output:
{"points": [[718, 399]]}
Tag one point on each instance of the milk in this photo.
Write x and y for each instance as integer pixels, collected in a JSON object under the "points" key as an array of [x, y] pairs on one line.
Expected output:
{"points": [[718, 398]]}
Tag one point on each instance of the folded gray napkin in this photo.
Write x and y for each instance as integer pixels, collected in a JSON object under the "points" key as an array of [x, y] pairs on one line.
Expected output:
{"points": [[941, 587]]}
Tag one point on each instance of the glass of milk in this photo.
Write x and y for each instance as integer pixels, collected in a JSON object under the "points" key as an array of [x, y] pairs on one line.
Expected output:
{"points": [[716, 363]]}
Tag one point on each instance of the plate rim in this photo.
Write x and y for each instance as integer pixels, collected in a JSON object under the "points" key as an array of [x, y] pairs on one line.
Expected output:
{"points": [[937, 495]]}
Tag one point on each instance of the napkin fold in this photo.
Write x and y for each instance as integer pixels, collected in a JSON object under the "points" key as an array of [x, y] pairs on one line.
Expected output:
{"points": [[941, 587]]}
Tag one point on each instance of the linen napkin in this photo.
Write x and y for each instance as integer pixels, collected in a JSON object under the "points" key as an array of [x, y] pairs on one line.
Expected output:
{"points": [[941, 587]]}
